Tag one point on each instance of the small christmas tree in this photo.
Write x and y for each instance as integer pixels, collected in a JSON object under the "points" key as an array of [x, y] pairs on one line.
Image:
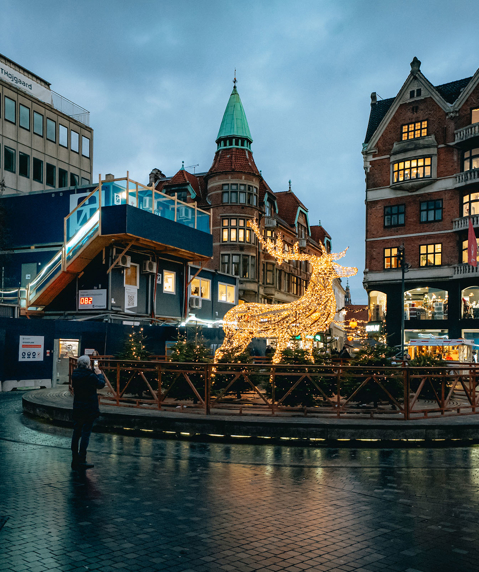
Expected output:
{"points": [[134, 347]]}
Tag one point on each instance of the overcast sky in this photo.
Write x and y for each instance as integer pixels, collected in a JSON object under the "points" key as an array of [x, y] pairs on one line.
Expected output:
{"points": [[156, 77]]}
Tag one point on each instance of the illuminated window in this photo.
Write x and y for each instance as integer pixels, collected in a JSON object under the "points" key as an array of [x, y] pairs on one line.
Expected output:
{"points": [[390, 258], [412, 169], [169, 281], [470, 204], [201, 288], [132, 276], [465, 243], [475, 115], [414, 130], [235, 230], [431, 211], [226, 293], [471, 159], [430, 255], [394, 215]]}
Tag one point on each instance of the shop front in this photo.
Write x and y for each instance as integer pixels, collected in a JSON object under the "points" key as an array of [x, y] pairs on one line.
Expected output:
{"points": [[457, 350], [425, 303]]}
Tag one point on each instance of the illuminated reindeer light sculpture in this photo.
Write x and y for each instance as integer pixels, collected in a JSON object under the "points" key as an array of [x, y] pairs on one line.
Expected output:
{"points": [[304, 317]]}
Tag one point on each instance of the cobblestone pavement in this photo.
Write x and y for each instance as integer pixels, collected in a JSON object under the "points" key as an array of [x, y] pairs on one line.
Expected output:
{"points": [[177, 506]]}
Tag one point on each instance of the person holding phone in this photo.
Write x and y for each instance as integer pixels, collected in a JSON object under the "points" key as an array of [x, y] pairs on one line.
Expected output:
{"points": [[85, 383]]}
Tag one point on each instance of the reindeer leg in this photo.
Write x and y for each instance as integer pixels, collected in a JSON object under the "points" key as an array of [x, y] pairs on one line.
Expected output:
{"points": [[280, 346], [307, 346]]}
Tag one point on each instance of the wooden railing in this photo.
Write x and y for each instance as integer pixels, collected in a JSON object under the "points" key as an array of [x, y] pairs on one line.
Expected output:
{"points": [[333, 390]]}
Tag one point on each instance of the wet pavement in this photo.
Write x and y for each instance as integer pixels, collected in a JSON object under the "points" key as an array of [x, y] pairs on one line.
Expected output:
{"points": [[186, 506]]}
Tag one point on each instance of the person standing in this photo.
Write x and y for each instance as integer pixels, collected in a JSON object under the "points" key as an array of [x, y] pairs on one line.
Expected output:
{"points": [[85, 383]]}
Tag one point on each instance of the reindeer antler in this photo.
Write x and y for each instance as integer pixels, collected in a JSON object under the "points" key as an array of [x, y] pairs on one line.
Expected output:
{"points": [[276, 249]]}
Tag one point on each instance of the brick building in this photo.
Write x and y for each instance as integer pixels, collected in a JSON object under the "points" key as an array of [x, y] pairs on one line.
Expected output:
{"points": [[421, 158], [234, 191]]}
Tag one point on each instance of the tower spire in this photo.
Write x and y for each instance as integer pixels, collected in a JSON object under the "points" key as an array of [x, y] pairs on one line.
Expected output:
{"points": [[234, 130]]}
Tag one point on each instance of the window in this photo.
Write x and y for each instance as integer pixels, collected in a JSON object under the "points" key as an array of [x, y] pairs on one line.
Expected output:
{"points": [[425, 303], [38, 123], [51, 175], [63, 135], [412, 169], [470, 204], [269, 273], [302, 231], [10, 110], [415, 93], [465, 256], [394, 215], [74, 141], [132, 276], [414, 130], [225, 194], [10, 160], [247, 194], [294, 285], [243, 265], [225, 263], [390, 258], [431, 211], [24, 165], [62, 178], [234, 230], [85, 146], [37, 170], [475, 115], [430, 255], [51, 130], [85, 181], [73, 180], [24, 117], [201, 288], [226, 293], [169, 281], [471, 159]]}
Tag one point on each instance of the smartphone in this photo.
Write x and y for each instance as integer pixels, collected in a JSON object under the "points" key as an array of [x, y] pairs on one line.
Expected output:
{"points": [[95, 363]]}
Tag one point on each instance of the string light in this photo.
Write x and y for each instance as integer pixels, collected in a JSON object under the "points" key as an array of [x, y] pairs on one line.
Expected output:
{"points": [[310, 314]]}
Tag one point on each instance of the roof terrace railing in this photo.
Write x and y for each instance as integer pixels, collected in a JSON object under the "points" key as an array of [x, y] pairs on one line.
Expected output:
{"points": [[71, 109]]}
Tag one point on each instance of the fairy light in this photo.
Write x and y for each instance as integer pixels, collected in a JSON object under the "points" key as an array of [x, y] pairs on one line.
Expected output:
{"points": [[312, 313]]}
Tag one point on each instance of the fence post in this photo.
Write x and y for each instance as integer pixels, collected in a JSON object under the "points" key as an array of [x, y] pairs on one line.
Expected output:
{"points": [[159, 387], [118, 384], [406, 391], [338, 390], [207, 388], [273, 388]]}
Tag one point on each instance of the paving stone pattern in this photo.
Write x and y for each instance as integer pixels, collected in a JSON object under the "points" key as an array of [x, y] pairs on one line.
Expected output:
{"points": [[153, 505]]}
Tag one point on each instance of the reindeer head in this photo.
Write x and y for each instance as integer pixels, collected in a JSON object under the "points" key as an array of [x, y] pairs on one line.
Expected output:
{"points": [[322, 265]]}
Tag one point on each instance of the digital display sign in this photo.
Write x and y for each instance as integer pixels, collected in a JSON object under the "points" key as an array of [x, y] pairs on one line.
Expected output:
{"points": [[92, 299]]}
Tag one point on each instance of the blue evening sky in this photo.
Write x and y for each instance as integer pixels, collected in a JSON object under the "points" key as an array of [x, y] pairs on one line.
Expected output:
{"points": [[156, 77]]}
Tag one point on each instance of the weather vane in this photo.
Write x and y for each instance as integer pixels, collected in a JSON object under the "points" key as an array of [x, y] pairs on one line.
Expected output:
{"points": [[235, 80]]}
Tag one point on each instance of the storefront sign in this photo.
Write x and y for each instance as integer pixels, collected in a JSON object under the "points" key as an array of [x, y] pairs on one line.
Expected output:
{"points": [[25, 83], [31, 348], [91, 299], [373, 328]]}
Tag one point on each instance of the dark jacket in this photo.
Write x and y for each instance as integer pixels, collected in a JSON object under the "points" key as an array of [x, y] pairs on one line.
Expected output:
{"points": [[85, 398]]}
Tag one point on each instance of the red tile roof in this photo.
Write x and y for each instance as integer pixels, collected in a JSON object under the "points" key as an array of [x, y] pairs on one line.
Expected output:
{"points": [[288, 204], [182, 177], [233, 160], [318, 233]]}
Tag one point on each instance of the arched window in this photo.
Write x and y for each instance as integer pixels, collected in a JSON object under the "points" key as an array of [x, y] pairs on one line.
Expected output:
{"points": [[470, 302], [425, 304], [377, 306]]}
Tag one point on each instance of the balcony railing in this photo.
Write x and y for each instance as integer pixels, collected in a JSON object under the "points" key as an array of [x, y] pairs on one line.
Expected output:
{"points": [[269, 222], [467, 177], [71, 109], [465, 270], [463, 222], [468, 132]]}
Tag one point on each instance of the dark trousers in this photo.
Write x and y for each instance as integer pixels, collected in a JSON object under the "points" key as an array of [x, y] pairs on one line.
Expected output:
{"points": [[81, 434]]}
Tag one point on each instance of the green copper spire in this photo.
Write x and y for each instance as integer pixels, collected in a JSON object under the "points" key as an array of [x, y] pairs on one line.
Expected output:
{"points": [[234, 130]]}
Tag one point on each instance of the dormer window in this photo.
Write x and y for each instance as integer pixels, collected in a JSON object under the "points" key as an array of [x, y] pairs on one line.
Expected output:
{"points": [[414, 130]]}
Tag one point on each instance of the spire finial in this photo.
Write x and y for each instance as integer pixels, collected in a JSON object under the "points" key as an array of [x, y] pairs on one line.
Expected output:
{"points": [[182, 165], [289, 186], [415, 66], [235, 80]]}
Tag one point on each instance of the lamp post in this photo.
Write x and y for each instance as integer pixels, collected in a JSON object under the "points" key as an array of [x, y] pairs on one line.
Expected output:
{"points": [[404, 268]]}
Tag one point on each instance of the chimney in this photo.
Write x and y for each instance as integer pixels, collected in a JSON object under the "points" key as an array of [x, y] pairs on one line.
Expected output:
{"points": [[374, 98], [109, 177]]}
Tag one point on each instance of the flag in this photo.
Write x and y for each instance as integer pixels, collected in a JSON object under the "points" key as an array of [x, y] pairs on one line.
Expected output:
{"points": [[471, 245]]}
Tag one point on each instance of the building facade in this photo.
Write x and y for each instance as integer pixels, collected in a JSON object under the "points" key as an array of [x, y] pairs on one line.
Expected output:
{"points": [[421, 159], [45, 139], [234, 191]]}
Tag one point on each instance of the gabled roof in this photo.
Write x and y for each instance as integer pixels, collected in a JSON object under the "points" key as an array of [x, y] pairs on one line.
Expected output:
{"points": [[182, 177], [233, 159], [234, 119], [288, 205], [318, 233], [447, 96]]}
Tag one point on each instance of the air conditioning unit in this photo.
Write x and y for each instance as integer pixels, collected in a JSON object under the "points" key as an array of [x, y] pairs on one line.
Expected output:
{"points": [[303, 242], [125, 261], [269, 222], [195, 302], [149, 267], [185, 213]]}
